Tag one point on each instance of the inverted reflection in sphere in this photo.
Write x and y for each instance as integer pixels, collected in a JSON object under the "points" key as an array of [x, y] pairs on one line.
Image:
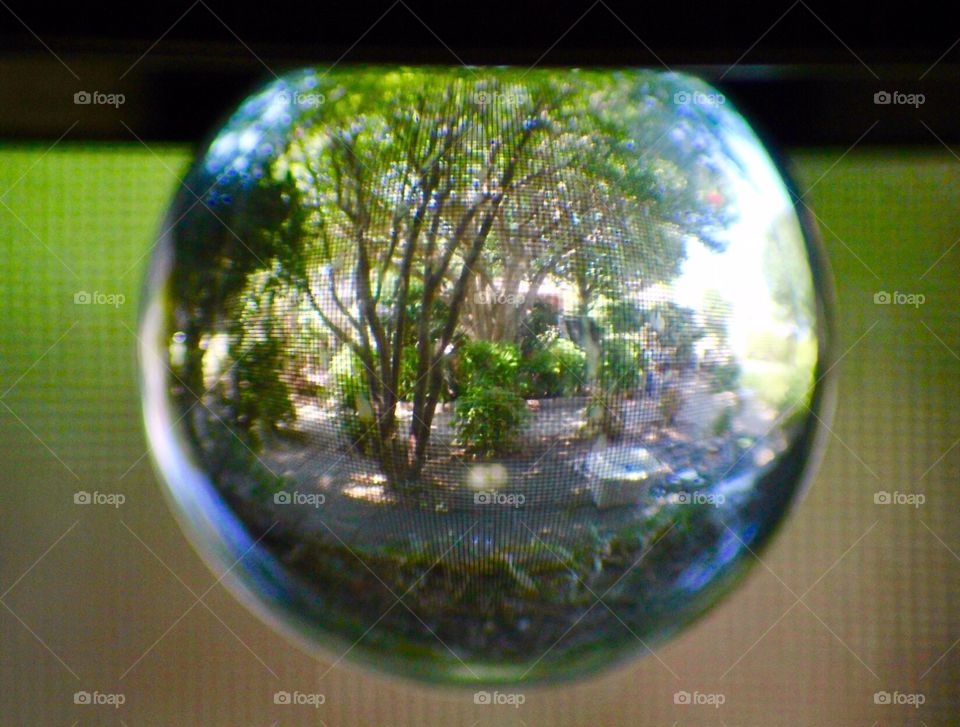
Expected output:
{"points": [[489, 375]]}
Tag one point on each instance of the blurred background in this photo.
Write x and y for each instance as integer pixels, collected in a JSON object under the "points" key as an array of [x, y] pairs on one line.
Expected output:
{"points": [[850, 616]]}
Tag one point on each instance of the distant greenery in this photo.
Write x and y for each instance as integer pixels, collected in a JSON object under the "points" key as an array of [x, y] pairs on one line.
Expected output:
{"points": [[357, 421], [558, 369], [407, 220], [488, 418], [490, 409]]}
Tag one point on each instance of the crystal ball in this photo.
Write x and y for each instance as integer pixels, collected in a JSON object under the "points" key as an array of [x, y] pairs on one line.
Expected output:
{"points": [[483, 374]]}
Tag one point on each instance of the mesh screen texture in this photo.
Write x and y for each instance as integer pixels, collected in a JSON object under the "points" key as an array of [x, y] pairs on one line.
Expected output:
{"points": [[853, 605]]}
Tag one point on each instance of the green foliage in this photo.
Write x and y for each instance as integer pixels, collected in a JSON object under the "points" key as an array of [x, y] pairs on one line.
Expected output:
{"points": [[622, 316], [677, 329], [489, 410], [261, 373], [559, 369], [409, 359], [488, 364], [725, 377], [262, 394], [539, 327], [620, 365], [357, 420], [487, 419], [407, 382]]}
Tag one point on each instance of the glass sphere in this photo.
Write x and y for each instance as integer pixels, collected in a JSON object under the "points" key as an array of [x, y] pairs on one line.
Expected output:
{"points": [[483, 374]]}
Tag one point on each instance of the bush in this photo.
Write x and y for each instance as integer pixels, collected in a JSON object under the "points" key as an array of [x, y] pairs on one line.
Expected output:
{"points": [[262, 394], [487, 419], [488, 364], [407, 383], [558, 370], [539, 327], [622, 316], [620, 365], [357, 420], [489, 410]]}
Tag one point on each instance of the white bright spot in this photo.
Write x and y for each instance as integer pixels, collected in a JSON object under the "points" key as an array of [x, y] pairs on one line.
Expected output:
{"points": [[763, 202]]}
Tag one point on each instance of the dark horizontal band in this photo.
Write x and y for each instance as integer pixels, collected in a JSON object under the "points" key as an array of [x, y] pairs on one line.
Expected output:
{"points": [[182, 97]]}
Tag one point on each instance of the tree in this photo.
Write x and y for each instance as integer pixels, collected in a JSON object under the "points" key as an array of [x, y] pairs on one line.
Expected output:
{"points": [[391, 210], [404, 200]]}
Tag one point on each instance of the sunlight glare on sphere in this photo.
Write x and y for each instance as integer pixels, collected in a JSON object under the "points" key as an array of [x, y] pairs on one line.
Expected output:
{"points": [[483, 375]]}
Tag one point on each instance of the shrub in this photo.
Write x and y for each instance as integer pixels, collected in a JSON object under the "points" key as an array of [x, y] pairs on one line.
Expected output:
{"points": [[622, 316], [557, 370], [262, 393], [540, 326], [487, 363], [489, 410], [620, 365], [357, 420], [487, 419], [407, 383]]}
